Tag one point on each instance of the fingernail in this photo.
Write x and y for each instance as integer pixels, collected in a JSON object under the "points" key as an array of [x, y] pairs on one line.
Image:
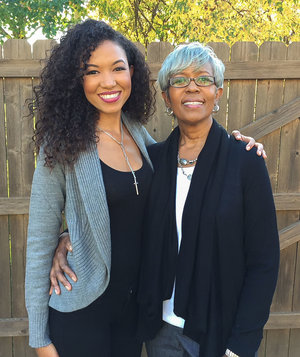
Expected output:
{"points": [[74, 279], [56, 291], [238, 137], [247, 148], [67, 287]]}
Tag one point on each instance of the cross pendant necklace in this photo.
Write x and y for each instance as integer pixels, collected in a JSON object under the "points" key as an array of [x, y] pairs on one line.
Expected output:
{"points": [[121, 143]]}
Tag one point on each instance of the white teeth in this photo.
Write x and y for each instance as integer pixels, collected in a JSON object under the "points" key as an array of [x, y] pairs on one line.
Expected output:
{"points": [[109, 96], [193, 103]]}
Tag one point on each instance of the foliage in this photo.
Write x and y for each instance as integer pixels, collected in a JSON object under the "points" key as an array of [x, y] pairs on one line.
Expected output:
{"points": [[207, 20], [164, 20], [21, 19]]}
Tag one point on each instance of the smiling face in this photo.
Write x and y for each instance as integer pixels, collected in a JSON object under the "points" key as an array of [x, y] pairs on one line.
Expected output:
{"points": [[107, 79], [193, 104]]}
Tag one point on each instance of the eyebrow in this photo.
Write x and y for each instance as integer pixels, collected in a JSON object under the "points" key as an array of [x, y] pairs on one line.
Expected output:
{"points": [[117, 61]]}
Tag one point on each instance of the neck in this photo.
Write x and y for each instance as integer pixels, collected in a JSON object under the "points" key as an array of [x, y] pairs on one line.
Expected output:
{"points": [[110, 123], [193, 137]]}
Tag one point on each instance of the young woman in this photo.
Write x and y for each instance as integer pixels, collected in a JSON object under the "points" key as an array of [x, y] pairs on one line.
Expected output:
{"points": [[93, 164]]}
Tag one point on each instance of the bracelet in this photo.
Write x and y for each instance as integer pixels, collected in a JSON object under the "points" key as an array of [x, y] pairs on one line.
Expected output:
{"points": [[61, 234], [229, 353]]}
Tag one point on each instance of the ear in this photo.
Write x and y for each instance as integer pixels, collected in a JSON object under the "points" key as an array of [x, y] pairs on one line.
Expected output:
{"points": [[219, 93], [166, 99], [131, 70]]}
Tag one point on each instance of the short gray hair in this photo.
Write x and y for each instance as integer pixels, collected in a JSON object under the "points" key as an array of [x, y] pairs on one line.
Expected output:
{"points": [[193, 54]]}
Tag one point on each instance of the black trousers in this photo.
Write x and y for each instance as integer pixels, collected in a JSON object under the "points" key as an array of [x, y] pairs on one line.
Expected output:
{"points": [[106, 328]]}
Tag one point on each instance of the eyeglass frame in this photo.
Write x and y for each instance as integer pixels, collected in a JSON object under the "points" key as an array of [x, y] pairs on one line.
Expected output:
{"points": [[192, 79]]}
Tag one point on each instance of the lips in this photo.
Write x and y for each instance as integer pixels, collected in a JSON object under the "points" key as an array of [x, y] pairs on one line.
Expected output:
{"points": [[110, 97]]}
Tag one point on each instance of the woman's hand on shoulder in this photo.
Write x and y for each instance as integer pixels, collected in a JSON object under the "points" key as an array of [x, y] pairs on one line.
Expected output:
{"points": [[250, 143], [60, 266], [47, 351]]}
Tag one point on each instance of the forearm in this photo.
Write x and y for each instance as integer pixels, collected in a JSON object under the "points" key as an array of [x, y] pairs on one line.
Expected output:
{"points": [[46, 205], [40, 250]]}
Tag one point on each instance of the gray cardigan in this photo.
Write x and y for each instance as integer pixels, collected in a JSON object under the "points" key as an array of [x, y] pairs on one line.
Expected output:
{"points": [[80, 193]]}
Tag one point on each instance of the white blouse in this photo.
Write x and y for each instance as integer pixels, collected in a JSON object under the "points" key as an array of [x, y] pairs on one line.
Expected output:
{"points": [[182, 189]]}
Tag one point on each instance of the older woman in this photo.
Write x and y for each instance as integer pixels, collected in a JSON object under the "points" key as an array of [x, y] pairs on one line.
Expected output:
{"points": [[211, 253]]}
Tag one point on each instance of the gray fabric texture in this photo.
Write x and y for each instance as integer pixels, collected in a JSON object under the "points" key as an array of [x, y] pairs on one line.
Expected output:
{"points": [[171, 342], [80, 193]]}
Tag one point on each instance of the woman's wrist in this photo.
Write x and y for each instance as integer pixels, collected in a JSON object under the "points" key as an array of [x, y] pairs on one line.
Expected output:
{"points": [[66, 231]]}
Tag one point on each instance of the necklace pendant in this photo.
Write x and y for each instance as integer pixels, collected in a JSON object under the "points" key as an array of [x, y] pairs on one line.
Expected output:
{"points": [[136, 187], [183, 162]]}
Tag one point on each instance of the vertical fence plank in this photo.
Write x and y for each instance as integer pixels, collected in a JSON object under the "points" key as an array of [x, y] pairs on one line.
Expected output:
{"points": [[289, 181], [294, 348], [20, 168], [242, 91], [5, 291], [262, 347], [41, 50], [160, 125], [277, 343], [270, 97], [222, 50], [287, 293]]}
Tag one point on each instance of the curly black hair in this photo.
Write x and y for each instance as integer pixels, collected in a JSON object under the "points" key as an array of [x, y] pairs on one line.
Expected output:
{"points": [[66, 120]]}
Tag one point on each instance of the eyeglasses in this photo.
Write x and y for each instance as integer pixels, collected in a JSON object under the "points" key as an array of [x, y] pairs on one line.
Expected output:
{"points": [[201, 81]]}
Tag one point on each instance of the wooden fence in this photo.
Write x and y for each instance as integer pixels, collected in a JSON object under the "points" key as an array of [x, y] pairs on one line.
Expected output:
{"points": [[261, 97]]}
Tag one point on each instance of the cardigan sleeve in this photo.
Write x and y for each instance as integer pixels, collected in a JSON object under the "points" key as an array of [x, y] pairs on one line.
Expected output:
{"points": [[261, 249], [46, 205]]}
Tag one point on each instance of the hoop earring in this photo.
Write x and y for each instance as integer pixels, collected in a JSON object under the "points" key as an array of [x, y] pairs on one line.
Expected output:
{"points": [[216, 108], [169, 111]]}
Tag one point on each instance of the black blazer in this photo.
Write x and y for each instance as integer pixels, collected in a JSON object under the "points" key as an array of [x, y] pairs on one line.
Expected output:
{"points": [[248, 249]]}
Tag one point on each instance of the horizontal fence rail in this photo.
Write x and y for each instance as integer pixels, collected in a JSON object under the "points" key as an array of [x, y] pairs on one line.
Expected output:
{"points": [[234, 70], [20, 205]]}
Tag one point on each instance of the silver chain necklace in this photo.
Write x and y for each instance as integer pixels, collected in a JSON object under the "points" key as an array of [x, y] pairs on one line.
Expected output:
{"points": [[185, 162], [121, 143], [188, 176]]}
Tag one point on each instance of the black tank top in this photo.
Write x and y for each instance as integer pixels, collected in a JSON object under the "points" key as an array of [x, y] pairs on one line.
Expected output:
{"points": [[126, 210]]}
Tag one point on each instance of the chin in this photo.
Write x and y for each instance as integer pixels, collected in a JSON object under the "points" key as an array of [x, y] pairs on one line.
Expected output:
{"points": [[195, 120]]}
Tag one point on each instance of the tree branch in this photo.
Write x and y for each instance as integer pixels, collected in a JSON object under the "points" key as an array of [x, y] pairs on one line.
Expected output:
{"points": [[6, 34], [239, 12], [39, 27]]}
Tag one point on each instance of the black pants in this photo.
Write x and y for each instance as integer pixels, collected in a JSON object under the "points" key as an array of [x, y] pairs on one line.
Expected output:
{"points": [[106, 328]]}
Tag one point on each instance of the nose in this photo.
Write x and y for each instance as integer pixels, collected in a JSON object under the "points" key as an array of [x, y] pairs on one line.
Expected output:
{"points": [[192, 87], [107, 80]]}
